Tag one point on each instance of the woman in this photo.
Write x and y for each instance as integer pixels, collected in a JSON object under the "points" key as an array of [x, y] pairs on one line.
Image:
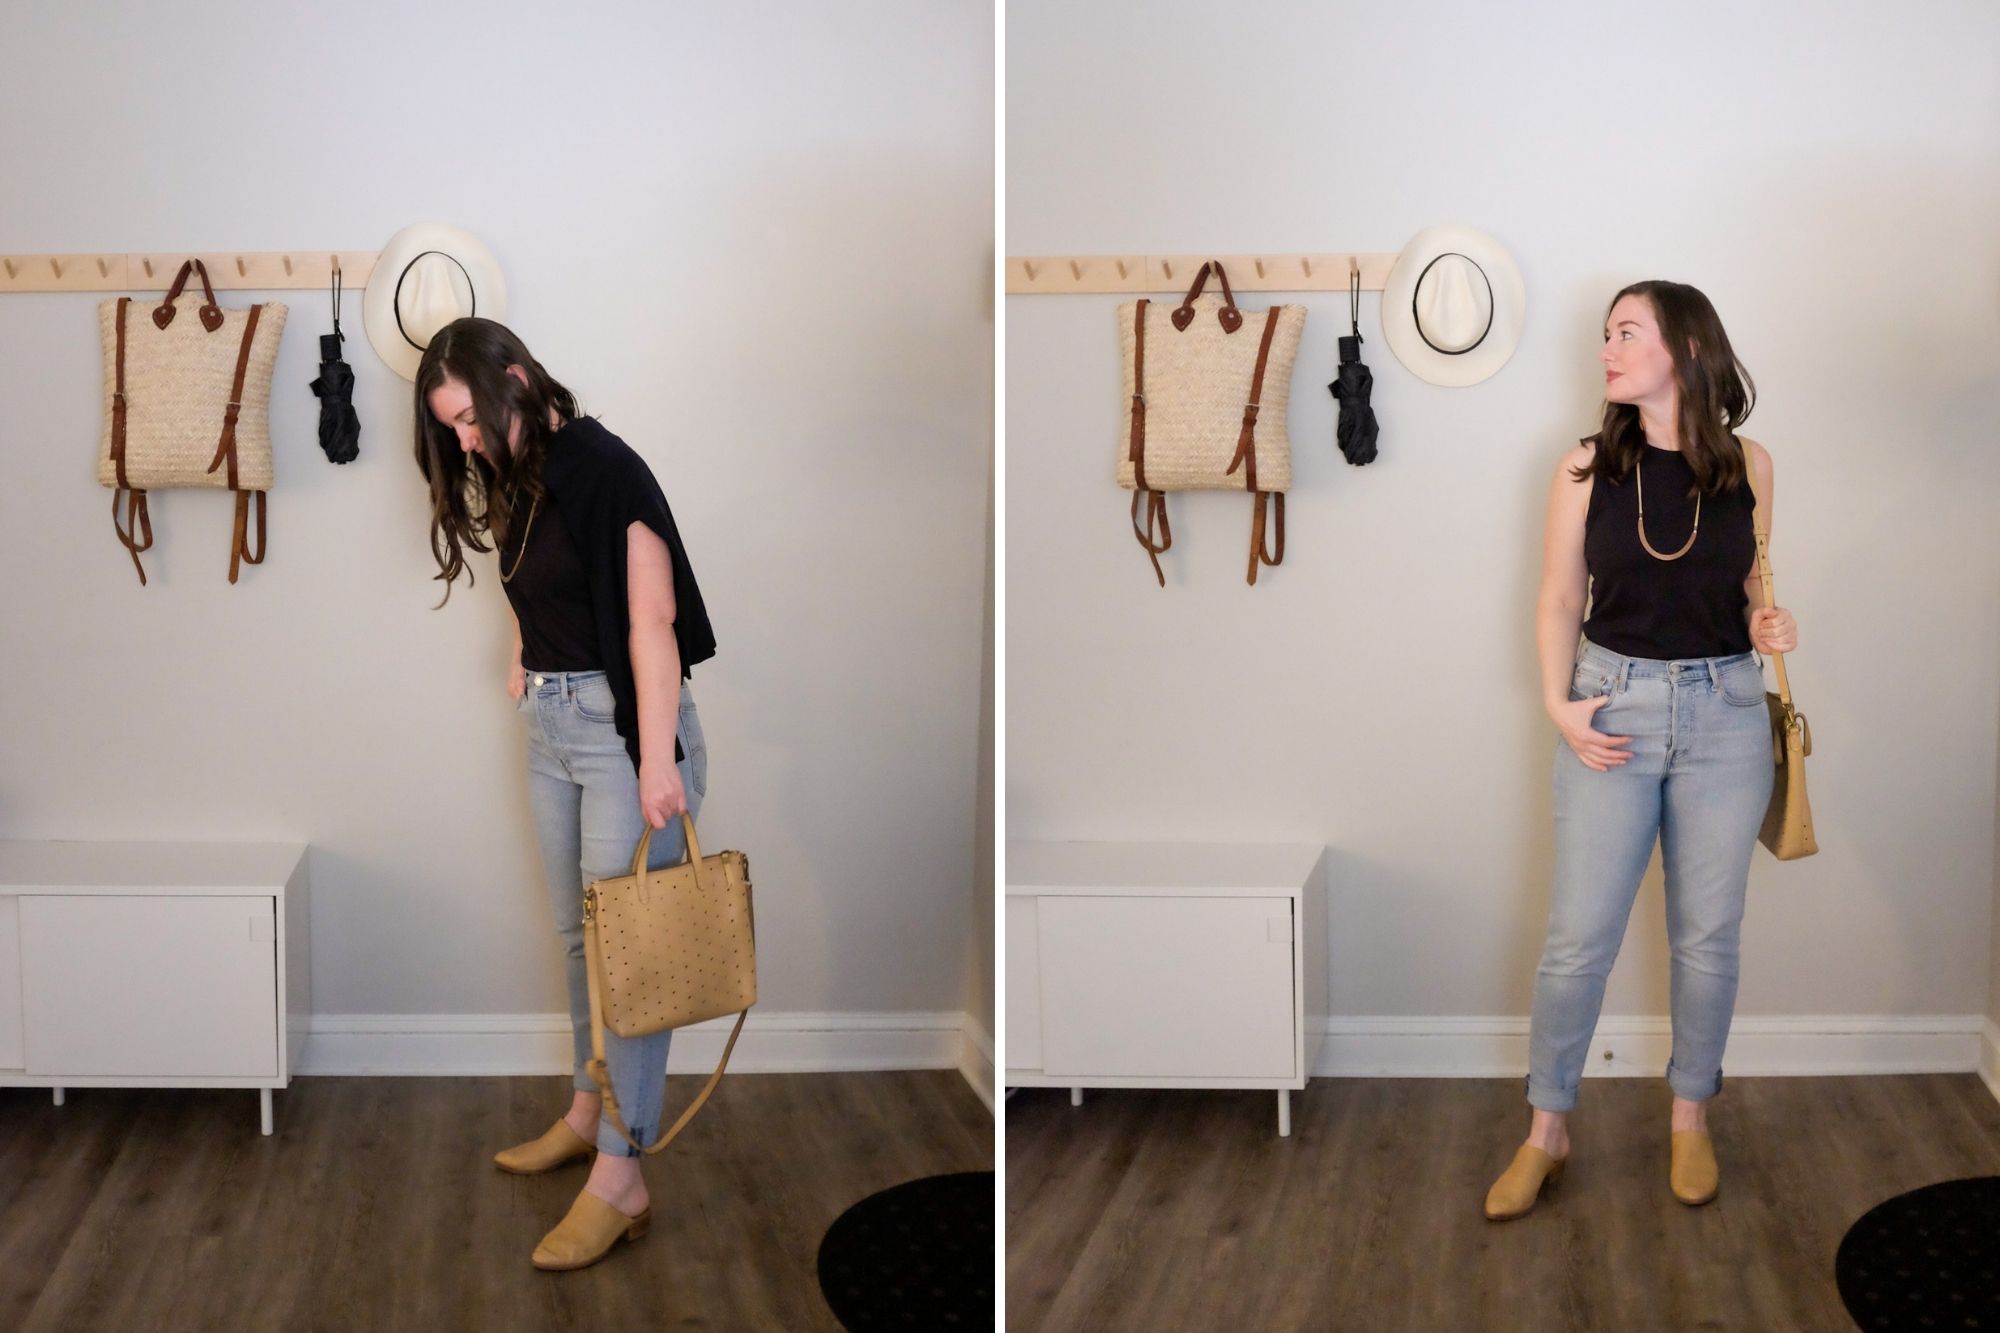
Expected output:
{"points": [[1665, 734], [608, 621]]}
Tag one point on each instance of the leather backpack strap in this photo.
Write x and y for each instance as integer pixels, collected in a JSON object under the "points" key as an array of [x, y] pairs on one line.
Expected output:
{"points": [[225, 451], [1158, 534], [225, 446], [137, 517], [1228, 316], [1246, 456]]}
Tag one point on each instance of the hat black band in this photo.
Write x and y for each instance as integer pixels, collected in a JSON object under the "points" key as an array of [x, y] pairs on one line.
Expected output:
{"points": [[397, 302], [1418, 323]]}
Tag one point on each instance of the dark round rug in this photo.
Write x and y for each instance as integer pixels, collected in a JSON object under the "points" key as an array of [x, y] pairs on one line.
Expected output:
{"points": [[916, 1256], [1926, 1259]]}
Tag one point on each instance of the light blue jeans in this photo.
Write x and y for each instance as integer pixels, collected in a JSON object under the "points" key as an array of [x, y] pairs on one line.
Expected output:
{"points": [[1698, 780], [585, 795]]}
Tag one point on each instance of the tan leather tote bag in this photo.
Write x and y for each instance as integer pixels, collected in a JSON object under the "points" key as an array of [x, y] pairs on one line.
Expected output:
{"points": [[665, 948], [1788, 826]]}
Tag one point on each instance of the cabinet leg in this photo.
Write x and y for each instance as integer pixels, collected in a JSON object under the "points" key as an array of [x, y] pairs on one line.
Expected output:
{"points": [[264, 1105], [1284, 1113], [1075, 1096], [58, 1092]]}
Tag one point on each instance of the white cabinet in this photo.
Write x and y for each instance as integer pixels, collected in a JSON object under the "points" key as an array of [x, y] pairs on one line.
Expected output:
{"points": [[153, 964], [1162, 965]]}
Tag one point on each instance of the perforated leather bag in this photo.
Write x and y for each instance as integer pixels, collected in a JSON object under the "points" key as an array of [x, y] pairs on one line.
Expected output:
{"points": [[665, 948]]}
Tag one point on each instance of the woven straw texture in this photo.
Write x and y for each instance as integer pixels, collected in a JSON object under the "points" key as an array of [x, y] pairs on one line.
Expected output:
{"points": [[177, 385], [674, 955], [1197, 384]]}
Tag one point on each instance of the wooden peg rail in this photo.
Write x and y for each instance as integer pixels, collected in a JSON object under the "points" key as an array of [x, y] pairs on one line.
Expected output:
{"points": [[262, 271], [1062, 275]]}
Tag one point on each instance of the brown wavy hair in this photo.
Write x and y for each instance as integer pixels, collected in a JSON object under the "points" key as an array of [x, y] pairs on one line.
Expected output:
{"points": [[1714, 395], [471, 495]]}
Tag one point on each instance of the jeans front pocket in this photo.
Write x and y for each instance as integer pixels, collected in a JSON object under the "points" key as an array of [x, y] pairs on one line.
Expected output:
{"points": [[595, 701], [1743, 684], [1588, 681]]}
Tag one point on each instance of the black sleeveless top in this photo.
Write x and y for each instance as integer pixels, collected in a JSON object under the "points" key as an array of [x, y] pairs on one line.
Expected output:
{"points": [[1643, 606]]}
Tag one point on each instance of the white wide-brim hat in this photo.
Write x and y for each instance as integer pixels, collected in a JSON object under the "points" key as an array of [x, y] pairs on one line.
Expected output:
{"points": [[429, 274], [1453, 305]]}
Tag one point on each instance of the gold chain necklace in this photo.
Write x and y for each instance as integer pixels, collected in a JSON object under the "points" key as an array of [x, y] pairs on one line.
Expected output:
{"points": [[1641, 469], [508, 577]]}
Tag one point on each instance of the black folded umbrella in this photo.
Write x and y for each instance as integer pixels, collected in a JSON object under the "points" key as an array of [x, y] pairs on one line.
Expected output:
{"points": [[1356, 430], [339, 427]]}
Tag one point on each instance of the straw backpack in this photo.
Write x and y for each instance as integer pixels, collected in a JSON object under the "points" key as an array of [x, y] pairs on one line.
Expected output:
{"points": [[1788, 827], [1198, 378], [665, 948], [187, 403]]}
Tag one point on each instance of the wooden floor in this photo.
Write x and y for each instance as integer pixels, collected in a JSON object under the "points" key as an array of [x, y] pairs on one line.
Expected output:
{"points": [[1167, 1210], [375, 1206]]}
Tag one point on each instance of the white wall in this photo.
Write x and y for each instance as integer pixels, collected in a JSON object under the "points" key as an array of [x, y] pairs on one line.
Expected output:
{"points": [[756, 240], [1831, 180]]}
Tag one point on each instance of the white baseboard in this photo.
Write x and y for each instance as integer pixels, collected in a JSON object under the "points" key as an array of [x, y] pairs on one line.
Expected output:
{"points": [[976, 1060], [1493, 1047], [473, 1045]]}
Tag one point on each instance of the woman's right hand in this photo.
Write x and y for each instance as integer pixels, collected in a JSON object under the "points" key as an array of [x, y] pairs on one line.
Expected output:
{"points": [[1592, 746]]}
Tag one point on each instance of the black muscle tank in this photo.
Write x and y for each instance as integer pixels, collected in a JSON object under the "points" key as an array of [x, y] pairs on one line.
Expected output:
{"points": [[1643, 606]]}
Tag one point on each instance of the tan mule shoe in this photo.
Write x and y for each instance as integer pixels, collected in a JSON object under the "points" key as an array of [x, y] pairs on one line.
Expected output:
{"points": [[587, 1233], [1521, 1183], [1693, 1173], [560, 1144]]}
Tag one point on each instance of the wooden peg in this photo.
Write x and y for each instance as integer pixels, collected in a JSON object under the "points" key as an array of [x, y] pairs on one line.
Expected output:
{"points": [[1305, 262], [288, 266], [1260, 267], [336, 265], [1167, 270], [149, 267], [1122, 275], [241, 271], [1076, 270], [1030, 269], [1353, 267], [56, 266]]}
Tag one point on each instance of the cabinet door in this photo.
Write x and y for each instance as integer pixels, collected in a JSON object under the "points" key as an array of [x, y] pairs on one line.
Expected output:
{"points": [[1024, 988], [10, 982], [150, 985], [1167, 987]]}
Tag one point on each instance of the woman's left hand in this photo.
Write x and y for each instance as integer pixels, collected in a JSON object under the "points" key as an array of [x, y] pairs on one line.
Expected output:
{"points": [[1772, 630], [661, 796]]}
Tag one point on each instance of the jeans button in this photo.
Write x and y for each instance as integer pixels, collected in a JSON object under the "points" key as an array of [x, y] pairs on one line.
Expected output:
{"points": [[540, 681]]}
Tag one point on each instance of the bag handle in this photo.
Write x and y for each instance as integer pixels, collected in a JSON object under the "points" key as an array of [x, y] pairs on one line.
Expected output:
{"points": [[1229, 316], [599, 1072], [211, 313]]}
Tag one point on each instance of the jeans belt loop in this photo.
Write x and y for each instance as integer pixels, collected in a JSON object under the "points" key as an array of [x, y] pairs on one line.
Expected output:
{"points": [[1714, 677]]}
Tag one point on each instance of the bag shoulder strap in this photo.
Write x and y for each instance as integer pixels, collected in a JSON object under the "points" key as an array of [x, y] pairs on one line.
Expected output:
{"points": [[1158, 534], [137, 517], [1246, 456], [1763, 533]]}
